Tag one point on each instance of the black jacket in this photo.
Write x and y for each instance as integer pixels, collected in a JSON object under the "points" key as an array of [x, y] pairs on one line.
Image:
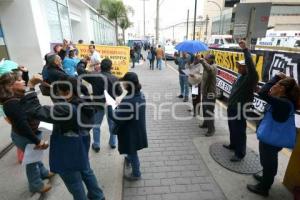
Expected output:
{"points": [[130, 120], [54, 73], [100, 82], [242, 91]]}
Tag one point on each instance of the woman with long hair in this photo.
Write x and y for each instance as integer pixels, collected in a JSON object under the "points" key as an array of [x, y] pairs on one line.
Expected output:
{"points": [[24, 128]]}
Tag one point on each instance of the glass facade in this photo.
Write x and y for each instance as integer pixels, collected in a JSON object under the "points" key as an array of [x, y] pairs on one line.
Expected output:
{"points": [[285, 10], [58, 20], [103, 30], [226, 24]]}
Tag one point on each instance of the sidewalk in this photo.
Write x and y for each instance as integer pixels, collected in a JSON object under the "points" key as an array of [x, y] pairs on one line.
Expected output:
{"points": [[177, 164]]}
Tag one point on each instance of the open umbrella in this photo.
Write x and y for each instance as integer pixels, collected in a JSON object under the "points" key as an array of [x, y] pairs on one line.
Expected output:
{"points": [[191, 46]]}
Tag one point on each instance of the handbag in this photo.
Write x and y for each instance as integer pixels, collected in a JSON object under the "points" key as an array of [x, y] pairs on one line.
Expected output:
{"points": [[279, 134]]}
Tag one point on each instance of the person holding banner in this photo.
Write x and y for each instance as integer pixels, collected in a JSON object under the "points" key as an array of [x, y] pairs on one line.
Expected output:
{"points": [[95, 56], [240, 99]]}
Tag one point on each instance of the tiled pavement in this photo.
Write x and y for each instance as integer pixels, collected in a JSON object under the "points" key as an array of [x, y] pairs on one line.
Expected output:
{"points": [[172, 168]]}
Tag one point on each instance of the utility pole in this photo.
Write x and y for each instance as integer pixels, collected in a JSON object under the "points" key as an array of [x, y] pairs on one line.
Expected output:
{"points": [[206, 25], [187, 24], [157, 21], [144, 18], [195, 15]]}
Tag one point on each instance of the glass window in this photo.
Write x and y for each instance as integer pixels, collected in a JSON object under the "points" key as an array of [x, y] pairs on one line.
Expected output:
{"points": [[58, 20], [53, 21], [65, 22]]}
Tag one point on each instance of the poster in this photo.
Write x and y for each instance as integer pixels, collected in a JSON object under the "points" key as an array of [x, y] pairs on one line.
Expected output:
{"points": [[119, 55]]}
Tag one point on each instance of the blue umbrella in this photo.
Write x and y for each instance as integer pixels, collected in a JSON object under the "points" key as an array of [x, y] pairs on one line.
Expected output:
{"points": [[191, 46]]}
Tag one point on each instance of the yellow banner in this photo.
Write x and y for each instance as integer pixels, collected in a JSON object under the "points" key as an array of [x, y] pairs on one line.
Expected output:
{"points": [[227, 59], [119, 55]]}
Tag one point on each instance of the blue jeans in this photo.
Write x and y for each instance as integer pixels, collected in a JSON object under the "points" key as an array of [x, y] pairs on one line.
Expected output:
{"points": [[158, 63], [74, 183], [135, 164], [97, 132], [35, 172], [184, 85]]}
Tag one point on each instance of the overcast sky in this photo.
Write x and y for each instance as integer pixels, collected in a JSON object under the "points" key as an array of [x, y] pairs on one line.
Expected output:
{"points": [[171, 12]]}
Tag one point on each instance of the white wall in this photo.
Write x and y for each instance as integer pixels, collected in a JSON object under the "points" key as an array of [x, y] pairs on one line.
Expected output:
{"points": [[21, 27]]}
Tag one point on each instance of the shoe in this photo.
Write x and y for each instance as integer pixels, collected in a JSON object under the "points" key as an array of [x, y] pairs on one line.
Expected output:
{"points": [[258, 189], [235, 159], [203, 126], [130, 177], [229, 147], [96, 149], [180, 96], [258, 177], [112, 146], [210, 133], [185, 99], [45, 188]]}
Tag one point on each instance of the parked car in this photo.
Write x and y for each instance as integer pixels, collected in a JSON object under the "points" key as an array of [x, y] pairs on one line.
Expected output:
{"points": [[170, 51]]}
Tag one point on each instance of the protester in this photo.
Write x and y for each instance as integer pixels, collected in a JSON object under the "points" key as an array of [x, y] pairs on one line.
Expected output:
{"points": [[195, 79], [208, 89], [70, 64], [70, 141], [132, 56], [103, 81], [54, 70], [182, 61], [95, 57], [282, 95], [130, 120], [240, 100], [24, 128], [61, 50], [160, 54]]}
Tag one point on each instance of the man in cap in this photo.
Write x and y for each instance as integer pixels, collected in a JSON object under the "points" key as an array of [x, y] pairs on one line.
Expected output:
{"points": [[208, 89], [241, 98]]}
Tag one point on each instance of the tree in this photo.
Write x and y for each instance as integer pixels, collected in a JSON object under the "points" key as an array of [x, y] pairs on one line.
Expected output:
{"points": [[115, 10], [125, 24]]}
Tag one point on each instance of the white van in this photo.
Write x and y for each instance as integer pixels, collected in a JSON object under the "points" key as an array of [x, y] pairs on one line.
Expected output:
{"points": [[222, 41]]}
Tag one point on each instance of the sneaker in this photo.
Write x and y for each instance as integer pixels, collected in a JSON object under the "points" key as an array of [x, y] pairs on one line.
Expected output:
{"points": [[258, 177], [131, 177], [258, 189], [96, 149], [235, 159], [180, 96], [185, 99], [112, 146], [45, 188]]}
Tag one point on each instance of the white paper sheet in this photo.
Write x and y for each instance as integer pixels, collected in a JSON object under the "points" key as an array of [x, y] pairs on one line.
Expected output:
{"points": [[45, 127], [297, 120], [109, 100], [195, 90], [31, 155]]}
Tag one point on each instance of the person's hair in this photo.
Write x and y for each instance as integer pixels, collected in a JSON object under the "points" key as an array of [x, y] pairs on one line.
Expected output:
{"points": [[51, 58], [57, 45], [91, 45], [159, 46], [133, 88], [80, 41], [106, 65], [71, 53], [92, 42], [6, 81], [292, 90]]}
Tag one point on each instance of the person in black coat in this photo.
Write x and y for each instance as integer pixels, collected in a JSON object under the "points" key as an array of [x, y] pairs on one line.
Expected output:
{"points": [[130, 124]]}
